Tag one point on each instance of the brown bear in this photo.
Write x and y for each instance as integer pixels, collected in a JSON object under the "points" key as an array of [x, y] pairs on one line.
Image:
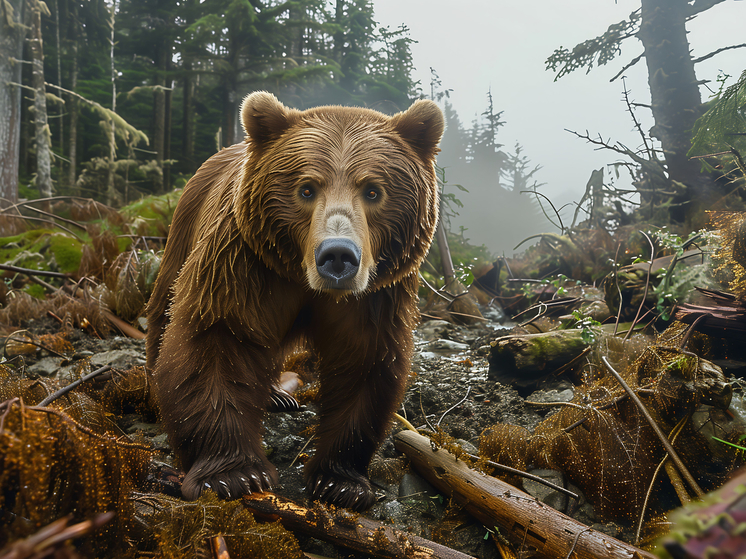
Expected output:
{"points": [[310, 231]]}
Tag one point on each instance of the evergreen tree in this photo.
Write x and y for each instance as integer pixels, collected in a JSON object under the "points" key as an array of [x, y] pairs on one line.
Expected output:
{"points": [[660, 25]]}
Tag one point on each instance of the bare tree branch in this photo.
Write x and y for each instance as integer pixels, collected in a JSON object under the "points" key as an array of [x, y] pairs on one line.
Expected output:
{"points": [[718, 51]]}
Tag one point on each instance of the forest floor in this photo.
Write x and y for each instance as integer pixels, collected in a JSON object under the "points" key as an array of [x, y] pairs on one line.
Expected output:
{"points": [[450, 389]]}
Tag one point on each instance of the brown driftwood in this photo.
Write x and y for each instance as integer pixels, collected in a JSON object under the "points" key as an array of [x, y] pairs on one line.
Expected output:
{"points": [[344, 528], [528, 523]]}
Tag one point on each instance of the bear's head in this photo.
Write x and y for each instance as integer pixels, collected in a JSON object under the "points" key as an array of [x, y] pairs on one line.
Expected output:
{"points": [[344, 199]]}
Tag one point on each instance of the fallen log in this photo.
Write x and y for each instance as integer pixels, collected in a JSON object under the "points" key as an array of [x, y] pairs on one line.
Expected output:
{"points": [[346, 529], [523, 360], [532, 526]]}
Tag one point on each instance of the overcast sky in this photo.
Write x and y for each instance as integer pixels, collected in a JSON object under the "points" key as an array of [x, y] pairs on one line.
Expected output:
{"points": [[475, 45]]}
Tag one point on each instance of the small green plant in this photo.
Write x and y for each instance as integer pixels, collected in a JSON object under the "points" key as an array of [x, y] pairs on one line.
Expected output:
{"points": [[588, 327]]}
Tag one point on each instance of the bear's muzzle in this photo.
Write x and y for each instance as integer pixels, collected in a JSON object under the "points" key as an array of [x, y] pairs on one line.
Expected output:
{"points": [[338, 261]]}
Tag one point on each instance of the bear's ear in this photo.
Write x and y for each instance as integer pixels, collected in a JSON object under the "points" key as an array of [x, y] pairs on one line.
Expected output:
{"points": [[264, 118], [421, 125]]}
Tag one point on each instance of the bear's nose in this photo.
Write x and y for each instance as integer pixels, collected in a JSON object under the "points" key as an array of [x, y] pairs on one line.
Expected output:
{"points": [[337, 259]]}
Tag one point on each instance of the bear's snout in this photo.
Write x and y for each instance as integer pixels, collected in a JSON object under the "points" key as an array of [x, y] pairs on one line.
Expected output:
{"points": [[338, 260]]}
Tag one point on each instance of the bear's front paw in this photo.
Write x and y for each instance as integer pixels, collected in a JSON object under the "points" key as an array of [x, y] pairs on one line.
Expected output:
{"points": [[229, 483], [349, 490]]}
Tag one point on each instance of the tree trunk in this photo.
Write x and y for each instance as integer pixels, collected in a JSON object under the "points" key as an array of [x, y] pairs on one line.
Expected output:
{"points": [[74, 110], [12, 33], [111, 192], [675, 99], [41, 126], [159, 111], [61, 116], [187, 138]]}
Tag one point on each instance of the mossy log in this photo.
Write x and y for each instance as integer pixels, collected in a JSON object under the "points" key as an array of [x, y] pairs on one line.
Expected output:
{"points": [[535, 528], [524, 359], [344, 528]]}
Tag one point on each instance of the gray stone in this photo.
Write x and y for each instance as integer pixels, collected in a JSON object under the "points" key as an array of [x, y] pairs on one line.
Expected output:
{"points": [[445, 346], [118, 358], [413, 486], [46, 366]]}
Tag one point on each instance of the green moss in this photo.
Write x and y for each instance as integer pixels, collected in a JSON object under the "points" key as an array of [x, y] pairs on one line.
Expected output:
{"points": [[67, 252], [36, 290]]}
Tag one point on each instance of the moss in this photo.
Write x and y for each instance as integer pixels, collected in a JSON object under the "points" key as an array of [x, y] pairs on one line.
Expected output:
{"points": [[36, 290], [67, 252]]}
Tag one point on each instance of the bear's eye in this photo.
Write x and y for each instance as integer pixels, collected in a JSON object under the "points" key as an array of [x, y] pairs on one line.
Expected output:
{"points": [[371, 193], [306, 191]]}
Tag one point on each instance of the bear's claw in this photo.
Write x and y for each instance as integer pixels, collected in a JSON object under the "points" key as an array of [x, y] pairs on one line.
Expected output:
{"points": [[342, 491], [230, 484]]}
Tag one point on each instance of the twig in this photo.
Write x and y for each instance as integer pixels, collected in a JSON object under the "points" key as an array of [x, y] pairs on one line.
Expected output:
{"points": [[33, 343], [29, 272], [664, 440], [526, 475], [301, 451], [575, 542], [691, 328], [647, 285], [432, 288], [628, 66], [618, 289], [561, 225], [64, 390], [674, 434], [453, 407], [49, 221]]}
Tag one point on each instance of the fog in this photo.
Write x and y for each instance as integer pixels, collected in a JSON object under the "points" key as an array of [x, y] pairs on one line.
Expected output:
{"points": [[477, 46]]}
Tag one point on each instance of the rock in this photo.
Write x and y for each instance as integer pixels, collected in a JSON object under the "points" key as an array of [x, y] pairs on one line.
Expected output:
{"points": [[118, 358], [45, 367], [445, 346], [412, 485]]}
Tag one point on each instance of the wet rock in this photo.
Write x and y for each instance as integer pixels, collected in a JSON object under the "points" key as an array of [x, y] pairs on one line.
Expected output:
{"points": [[119, 358], [445, 346], [45, 367]]}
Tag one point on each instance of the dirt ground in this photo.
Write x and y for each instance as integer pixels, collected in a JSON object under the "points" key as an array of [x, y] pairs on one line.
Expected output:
{"points": [[450, 389]]}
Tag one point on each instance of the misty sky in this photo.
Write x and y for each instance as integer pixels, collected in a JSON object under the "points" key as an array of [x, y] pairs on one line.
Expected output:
{"points": [[475, 45]]}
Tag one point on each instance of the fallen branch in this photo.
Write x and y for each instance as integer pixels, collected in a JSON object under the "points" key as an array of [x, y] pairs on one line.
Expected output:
{"points": [[124, 327], [29, 272], [532, 526], [65, 389], [344, 528]]}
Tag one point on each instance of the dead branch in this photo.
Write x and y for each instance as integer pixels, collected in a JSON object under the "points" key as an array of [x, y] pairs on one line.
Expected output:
{"points": [[29, 272], [65, 389], [346, 529], [527, 522]]}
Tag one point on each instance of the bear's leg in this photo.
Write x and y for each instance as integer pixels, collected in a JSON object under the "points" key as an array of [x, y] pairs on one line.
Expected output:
{"points": [[213, 391], [361, 387]]}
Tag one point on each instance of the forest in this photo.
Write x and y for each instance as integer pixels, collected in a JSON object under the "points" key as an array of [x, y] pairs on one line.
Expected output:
{"points": [[582, 396]]}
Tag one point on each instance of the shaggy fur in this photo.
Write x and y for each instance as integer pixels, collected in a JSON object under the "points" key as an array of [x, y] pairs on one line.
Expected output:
{"points": [[240, 282]]}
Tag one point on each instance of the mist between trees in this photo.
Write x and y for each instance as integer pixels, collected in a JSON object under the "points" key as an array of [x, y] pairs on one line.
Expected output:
{"points": [[131, 96]]}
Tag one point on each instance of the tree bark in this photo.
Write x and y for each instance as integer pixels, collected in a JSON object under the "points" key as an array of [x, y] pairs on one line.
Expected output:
{"points": [[159, 110], [41, 125], [74, 111], [537, 530], [187, 138], [675, 99], [111, 192], [12, 33], [346, 529]]}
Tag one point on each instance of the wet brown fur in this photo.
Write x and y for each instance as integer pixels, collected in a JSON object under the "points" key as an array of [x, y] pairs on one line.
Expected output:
{"points": [[238, 285]]}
